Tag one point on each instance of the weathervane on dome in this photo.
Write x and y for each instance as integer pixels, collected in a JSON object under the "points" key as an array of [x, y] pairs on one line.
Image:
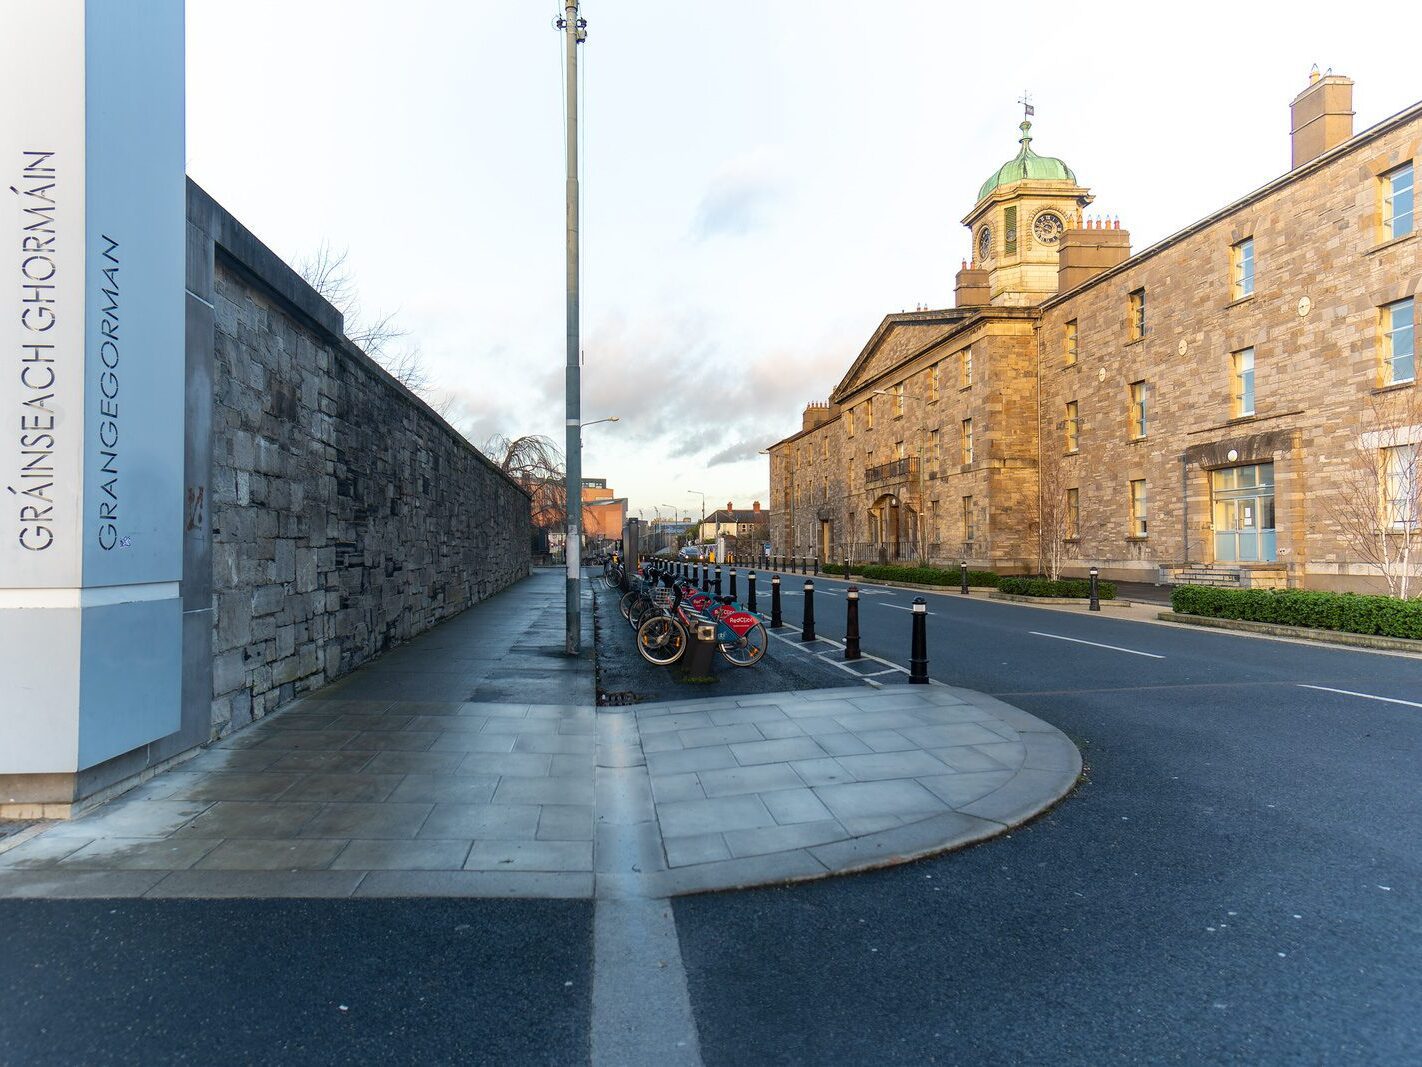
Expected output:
{"points": [[1027, 109]]}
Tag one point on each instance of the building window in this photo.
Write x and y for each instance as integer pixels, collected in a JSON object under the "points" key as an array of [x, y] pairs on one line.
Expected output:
{"points": [[1399, 352], [1139, 527], [1071, 343], [1009, 230], [1139, 422], [1070, 425], [824, 491], [1138, 314], [965, 368], [1402, 487], [824, 447], [969, 533], [1243, 373], [967, 441], [869, 414], [933, 378], [898, 401], [1242, 269], [1397, 214], [849, 422], [935, 451], [899, 450], [1073, 514]]}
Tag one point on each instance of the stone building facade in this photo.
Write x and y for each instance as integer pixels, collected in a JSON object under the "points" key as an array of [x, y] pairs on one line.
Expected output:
{"points": [[1235, 405]]}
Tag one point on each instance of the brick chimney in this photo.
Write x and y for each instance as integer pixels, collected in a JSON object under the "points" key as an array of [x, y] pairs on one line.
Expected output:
{"points": [[1087, 249], [755, 506], [971, 288], [1322, 116], [730, 506]]}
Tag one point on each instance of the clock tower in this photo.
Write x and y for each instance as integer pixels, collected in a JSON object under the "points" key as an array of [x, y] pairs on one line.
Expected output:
{"points": [[1018, 221]]}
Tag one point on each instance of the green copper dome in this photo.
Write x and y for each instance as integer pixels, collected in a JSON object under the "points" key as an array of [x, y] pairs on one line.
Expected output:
{"points": [[1027, 164]]}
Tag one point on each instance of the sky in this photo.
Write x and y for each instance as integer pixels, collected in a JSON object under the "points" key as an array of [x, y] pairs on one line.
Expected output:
{"points": [[761, 181]]}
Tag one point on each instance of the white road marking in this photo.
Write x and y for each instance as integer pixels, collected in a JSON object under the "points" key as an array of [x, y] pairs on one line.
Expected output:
{"points": [[1095, 644], [1365, 696], [900, 607]]}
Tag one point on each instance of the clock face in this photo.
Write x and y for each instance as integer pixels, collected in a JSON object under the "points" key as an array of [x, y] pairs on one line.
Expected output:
{"points": [[1048, 228], [984, 244]]}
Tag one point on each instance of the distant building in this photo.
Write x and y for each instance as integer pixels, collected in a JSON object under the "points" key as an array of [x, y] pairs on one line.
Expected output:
{"points": [[604, 515], [730, 521], [1206, 410]]}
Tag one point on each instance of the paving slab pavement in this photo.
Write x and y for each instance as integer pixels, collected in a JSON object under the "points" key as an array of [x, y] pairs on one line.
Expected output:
{"points": [[357, 790]]}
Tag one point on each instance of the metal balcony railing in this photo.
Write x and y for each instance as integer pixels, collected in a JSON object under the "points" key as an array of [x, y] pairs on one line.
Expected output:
{"points": [[896, 470]]}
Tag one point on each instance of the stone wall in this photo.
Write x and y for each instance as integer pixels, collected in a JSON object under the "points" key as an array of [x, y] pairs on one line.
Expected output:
{"points": [[345, 515]]}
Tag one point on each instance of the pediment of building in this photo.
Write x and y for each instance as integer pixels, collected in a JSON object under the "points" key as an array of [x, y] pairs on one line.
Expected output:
{"points": [[898, 339]]}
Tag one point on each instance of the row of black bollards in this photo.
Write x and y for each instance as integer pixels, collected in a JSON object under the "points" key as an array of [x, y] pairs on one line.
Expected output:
{"points": [[797, 564]]}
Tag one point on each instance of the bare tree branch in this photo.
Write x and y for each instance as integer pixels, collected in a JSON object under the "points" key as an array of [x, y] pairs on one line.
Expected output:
{"points": [[536, 463]]}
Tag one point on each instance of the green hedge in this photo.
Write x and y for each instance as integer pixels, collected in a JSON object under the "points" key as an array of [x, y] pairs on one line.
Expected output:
{"points": [[1350, 612], [1062, 587], [890, 572]]}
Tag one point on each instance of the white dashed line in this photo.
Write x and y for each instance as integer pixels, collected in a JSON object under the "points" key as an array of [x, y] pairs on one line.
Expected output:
{"points": [[1094, 644], [1365, 696]]}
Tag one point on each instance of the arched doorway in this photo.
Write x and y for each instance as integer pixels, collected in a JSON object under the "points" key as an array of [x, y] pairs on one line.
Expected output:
{"points": [[893, 529]]}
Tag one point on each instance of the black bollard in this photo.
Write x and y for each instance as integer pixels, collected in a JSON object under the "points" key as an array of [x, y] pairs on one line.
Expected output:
{"points": [[963, 576], [918, 654], [817, 564], [733, 583], [705, 579], [718, 581], [807, 627], [1095, 604], [847, 575], [775, 620], [851, 624], [750, 591]]}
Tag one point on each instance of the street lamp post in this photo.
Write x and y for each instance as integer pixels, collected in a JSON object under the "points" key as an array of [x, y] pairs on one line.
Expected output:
{"points": [[701, 529], [575, 32]]}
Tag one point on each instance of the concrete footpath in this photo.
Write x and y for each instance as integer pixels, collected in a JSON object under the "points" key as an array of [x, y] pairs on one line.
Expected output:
{"points": [[473, 762]]}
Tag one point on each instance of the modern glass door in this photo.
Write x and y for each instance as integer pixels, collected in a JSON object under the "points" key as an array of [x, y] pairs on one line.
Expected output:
{"points": [[1243, 499]]}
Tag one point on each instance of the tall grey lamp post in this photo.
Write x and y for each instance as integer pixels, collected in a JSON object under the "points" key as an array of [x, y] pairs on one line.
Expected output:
{"points": [[700, 530], [575, 32]]}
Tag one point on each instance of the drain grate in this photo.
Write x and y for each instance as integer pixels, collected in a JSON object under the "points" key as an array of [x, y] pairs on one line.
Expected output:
{"points": [[619, 699]]}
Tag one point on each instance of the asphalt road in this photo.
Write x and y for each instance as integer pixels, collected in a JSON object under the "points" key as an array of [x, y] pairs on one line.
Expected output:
{"points": [[1235, 881]]}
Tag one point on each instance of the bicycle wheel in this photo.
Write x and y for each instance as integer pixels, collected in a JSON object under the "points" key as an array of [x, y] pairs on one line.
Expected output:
{"points": [[625, 605], [661, 640], [748, 650]]}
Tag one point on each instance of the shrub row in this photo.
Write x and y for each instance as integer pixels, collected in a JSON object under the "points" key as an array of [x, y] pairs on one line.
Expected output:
{"points": [[1062, 587], [891, 572], [1350, 612]]}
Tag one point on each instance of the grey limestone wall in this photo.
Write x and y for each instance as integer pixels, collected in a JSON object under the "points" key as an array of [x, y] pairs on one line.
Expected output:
{"points": [[345, 516]]}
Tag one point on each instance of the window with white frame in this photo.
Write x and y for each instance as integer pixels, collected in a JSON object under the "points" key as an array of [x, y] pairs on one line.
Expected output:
{"points": [[1398, 200], [849, 422], [869, 414], [1070, 426], [966, 437], [935, 452], [934, 374], [1069, 341], [1139, 527], [1242, 372], [969, 533], [1242, 269], [1402, 486], [1139, 417], [965, 368], [1399, 352], [898, 401], [1138, 314], [1072, 524]]}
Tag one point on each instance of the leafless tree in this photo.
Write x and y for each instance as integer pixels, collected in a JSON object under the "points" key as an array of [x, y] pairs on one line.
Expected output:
{"points": [[1377, 506], [1058, 520], [379, 335], [535, 463]]}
